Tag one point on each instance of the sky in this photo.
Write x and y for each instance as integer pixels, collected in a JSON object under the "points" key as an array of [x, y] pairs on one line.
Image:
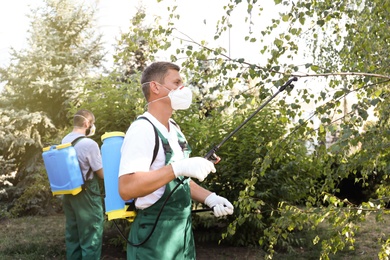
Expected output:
{"points": [[112, 19], [197, 20]]}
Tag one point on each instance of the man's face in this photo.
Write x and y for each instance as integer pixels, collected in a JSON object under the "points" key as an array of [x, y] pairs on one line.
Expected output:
{"points": [[172, 80]]}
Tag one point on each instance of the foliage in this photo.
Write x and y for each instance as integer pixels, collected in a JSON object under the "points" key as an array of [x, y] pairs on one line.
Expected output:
{"points": [[61, 52], [36, 199], [22, 133], [342, 108], [260, 175], [280, 188], [114, 104], [139, 45], [343, 18], [116, 99], [40, 84]]}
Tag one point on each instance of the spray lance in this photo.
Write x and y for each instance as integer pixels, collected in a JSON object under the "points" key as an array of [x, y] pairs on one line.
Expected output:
{"points": [[213, 157]]}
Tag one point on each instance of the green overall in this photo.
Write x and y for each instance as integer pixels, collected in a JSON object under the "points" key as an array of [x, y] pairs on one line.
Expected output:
{"points": [[173, 237], [84, 222]]}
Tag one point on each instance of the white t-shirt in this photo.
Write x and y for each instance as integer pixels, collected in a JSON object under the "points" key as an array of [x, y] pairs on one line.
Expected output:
{"points": [[137, 152], [88, 153]]}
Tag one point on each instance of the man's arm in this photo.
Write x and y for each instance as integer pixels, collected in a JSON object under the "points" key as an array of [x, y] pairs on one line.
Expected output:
{"points": [[140, 184], [219, 205], [100, 173], [198, 193]]}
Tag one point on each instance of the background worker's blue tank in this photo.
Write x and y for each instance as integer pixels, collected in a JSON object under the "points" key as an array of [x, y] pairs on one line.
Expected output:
{"points": [[115, 206], [63, 169]]}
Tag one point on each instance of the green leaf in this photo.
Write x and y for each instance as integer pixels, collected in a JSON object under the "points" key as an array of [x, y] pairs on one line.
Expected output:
{"points": [[314, 68], [375, 101], [285, 18], [338, 94], [320, 22]]}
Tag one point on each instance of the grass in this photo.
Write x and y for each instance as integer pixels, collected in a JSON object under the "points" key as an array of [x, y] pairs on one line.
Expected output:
{"points": [[32, 238], [43, 238]]}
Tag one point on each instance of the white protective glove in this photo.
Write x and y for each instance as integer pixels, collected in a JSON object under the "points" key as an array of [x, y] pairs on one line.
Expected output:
{"points": [[195, 167], [220, 205]]}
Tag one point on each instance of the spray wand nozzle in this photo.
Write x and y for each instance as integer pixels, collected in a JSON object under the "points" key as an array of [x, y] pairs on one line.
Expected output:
{"points": [[212, 156]]}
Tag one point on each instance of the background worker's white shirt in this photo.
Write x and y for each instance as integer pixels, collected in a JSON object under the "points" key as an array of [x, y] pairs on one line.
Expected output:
{"points": [[137, 152]]}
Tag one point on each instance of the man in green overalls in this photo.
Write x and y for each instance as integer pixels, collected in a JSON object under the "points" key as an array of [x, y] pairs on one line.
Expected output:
{"points": [[84, 211], [149, 174]]}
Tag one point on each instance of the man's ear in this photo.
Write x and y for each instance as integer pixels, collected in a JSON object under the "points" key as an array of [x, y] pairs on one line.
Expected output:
{"points": [[85, 124], [153, 87]]}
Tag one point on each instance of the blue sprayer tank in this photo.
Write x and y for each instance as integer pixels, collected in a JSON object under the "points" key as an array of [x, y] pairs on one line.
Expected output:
{"points": [[115, 206], [63, 169]]}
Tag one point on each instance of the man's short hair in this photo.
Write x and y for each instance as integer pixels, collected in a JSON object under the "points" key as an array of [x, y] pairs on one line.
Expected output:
{"points": [[157, 71], [79, 117]]}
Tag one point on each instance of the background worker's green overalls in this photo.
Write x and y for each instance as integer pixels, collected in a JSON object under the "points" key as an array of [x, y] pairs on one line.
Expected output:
{"points": [[173, 237], [83, 240]]}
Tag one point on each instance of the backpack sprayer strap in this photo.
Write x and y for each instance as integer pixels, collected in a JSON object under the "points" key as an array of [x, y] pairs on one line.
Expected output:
{"points": [[74, 142], [156, 141], [90, 171], [131, 204]]}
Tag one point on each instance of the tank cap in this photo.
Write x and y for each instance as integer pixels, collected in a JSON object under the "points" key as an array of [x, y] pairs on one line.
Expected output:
{"points": [[112, 134]]}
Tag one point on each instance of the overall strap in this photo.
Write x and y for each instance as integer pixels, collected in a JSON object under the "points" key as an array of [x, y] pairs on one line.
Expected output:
{"points": [[185, 147]]}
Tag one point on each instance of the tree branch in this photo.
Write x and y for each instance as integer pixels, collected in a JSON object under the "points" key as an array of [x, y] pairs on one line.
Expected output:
{"points": [[241, 61]]}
